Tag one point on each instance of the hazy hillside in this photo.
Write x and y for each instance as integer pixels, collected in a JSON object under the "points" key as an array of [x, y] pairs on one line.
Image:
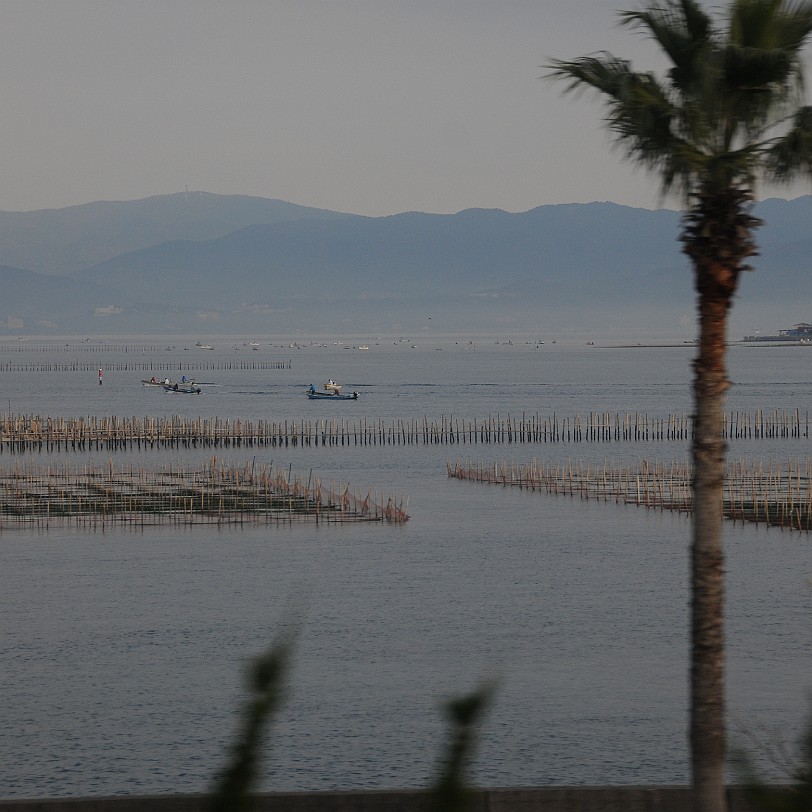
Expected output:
{"points": [[408, 255], [34, 302], [490, 265], [59, 241], [554, 267]]}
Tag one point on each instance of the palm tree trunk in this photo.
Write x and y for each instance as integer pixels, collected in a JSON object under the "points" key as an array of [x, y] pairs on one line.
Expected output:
{"points": [[707, 725], [718, 237]]}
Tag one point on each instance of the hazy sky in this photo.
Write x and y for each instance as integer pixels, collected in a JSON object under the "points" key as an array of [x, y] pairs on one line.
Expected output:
{"points": [[364, 106]]}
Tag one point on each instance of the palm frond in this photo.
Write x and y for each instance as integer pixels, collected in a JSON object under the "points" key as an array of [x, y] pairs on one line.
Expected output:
{"points": [[746, 68], [602, 72], [643, 116], [792, 153], [683, 30], [638, 106], [795, 25], [770, 24], [639, 112], [711, 120], [752, 23]]}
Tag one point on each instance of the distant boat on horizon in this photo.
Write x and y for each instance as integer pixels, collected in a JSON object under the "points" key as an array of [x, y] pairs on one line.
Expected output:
{"points": [[800, 333]]}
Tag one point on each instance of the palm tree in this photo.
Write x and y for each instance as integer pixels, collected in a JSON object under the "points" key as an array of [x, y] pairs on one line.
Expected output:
{"points": [[726, 114]]}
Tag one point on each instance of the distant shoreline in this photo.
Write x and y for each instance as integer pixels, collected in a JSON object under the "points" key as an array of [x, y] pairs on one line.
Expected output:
{"points": [[760, 344]]}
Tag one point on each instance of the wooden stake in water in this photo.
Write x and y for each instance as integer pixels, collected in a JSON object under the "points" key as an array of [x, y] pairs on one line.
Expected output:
{"points": [[779, 496]]}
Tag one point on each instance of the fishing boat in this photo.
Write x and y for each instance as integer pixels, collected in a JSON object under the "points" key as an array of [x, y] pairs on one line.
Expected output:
{"points": [[315, 394], [151, 382], [190, 388], [332, 386]]}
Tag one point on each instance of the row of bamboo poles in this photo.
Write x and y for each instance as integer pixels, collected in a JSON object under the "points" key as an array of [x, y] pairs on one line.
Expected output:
{"points": [[774, 494], [83, 346], [139, 366], [215, 493], [20, 433]]}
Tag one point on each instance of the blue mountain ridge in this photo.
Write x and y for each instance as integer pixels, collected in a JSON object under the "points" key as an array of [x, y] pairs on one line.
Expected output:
{"points": [[556, 264]]}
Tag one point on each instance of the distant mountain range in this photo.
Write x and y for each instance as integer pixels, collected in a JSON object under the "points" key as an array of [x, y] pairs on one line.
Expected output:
{"points": [[199, 263]]}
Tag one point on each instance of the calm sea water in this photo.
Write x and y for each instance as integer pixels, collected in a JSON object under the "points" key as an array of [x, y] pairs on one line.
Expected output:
{"points": [[123, 651]]}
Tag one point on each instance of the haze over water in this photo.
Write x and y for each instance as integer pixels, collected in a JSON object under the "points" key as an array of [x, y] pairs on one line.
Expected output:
{"points": [[123, 650]]}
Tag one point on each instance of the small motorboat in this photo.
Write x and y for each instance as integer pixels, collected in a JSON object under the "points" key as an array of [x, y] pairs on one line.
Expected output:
{"points": [[151, 382], [328, 394], [186, 388]]}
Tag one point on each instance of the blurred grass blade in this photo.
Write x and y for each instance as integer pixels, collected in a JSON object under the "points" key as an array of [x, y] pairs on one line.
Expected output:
{"points": [[266, 678], [451, 792]]}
